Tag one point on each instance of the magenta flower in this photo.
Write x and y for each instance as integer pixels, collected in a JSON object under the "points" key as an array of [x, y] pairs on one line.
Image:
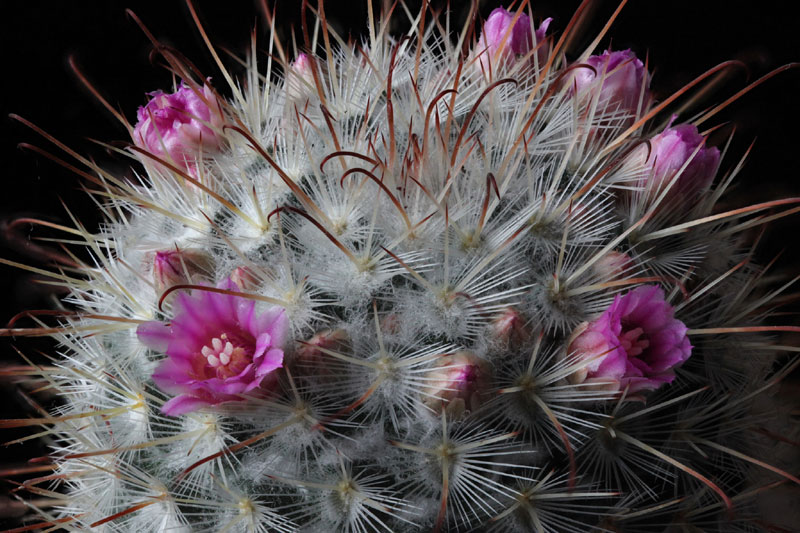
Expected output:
{"points": [[178, 126], [636, 343], [669, 151], [616, 81], [518, 41], [217, 348]]}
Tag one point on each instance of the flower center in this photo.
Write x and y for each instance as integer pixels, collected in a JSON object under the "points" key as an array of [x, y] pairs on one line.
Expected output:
{"points": [[634, 342], [224, 357]]}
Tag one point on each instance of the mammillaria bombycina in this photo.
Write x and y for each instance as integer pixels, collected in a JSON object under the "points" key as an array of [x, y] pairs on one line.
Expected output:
{"points": [[415, 280]]}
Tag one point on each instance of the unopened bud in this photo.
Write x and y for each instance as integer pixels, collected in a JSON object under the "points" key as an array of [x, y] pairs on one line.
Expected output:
{"points": [[613, 265], [179, 126], [678, 149], [619, 81], [299, 78], [312, 351], [179, 267], [457, 382], [390, 324], [509, 328], [244, 278], [500, 42]]}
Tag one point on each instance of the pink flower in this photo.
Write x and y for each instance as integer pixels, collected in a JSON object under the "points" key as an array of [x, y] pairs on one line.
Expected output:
{"points": [[217, 348], [178, 126], [616, 81], [669, 151], [636, 343], [518, 41]]}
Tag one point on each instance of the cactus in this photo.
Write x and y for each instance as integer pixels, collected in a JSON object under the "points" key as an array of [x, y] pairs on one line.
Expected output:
{"points": [[447, 281]]}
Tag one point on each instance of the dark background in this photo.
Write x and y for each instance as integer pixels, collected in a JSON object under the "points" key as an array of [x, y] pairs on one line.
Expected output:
{"points": [[682, 39]]}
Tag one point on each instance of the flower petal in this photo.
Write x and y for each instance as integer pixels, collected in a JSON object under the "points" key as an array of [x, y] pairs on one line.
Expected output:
{"points": [[273, 360], [183, 404], [154, 335]]}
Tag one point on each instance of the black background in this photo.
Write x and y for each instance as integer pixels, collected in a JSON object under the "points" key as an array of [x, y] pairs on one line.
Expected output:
{"points": [[681, 38]]}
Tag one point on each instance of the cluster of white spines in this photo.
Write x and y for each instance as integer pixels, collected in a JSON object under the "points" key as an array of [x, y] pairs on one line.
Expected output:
{"points": [[407, 205]]}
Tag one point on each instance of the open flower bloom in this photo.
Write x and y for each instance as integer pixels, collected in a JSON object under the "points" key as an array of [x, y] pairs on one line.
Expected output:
{"points": [[636, 343], [176, 127], [619, 81], [669, 151], [217, 348], [518, 39]]}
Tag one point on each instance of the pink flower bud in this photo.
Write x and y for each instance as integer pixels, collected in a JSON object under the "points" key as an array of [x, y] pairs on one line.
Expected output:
{"points": [[177, 267], [390, 324], [518, 39], [244, 278], [299, 78], [636, 343], [311, 351], [613, 265], [457, 382], [669, 151], [509, 328], [301, 65], [177, 127], [616, 81]]}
